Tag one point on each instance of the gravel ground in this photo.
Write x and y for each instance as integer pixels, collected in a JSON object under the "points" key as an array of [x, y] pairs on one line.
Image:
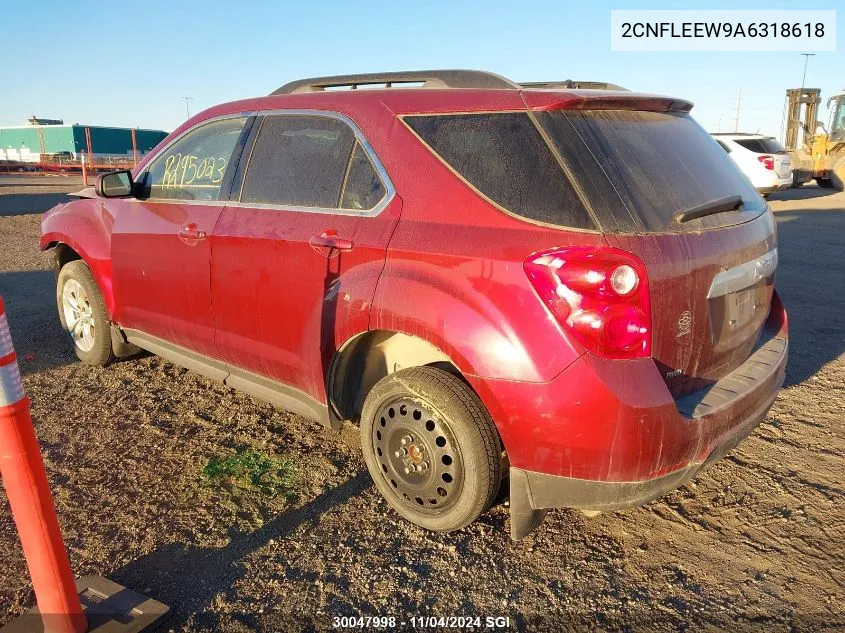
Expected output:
{"points": [[757, 541]]}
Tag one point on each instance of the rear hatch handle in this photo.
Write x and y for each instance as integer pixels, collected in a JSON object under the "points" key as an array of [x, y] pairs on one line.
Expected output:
{"points": [[720, 205]]}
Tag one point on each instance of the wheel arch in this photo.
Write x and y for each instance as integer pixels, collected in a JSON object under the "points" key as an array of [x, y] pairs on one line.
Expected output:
{"points": [[369, 356], [64, 250]]}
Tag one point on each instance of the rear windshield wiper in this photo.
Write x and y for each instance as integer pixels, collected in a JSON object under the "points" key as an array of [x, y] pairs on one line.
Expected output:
{"points": [[720, 205]]}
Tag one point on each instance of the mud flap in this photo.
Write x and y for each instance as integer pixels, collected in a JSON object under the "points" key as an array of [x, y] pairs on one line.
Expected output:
{"points": [[524, 518], [121, 347]]}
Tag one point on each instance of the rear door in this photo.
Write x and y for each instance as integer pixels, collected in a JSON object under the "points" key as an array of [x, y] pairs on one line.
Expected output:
{"points": [[711, 279], [298, 251], [161, 252]]}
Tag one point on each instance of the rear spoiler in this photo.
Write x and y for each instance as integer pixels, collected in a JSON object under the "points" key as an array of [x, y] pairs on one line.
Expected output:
{"points": [[603, 100], [571, 84]]}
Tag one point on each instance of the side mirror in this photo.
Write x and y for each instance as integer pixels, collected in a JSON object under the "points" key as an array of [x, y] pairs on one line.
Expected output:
{"points": [[116, 184]]}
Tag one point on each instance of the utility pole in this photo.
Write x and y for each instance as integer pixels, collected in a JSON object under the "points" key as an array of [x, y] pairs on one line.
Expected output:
{"points": [[187, 106], [807, 57], [736, 118]]}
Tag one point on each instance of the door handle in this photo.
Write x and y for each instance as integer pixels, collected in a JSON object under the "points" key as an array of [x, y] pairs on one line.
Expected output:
{"points": [[329, 239], [191, 233]]}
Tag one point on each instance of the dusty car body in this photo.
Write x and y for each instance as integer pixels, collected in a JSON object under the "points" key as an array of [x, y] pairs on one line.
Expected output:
{"points": [[494, 280]]}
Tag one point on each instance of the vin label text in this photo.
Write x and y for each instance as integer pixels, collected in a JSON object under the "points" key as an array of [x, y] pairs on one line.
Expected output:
{"points": [[759, 30]]}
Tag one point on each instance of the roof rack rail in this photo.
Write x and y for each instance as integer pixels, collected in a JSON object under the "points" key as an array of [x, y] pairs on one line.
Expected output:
{"points": [[741, 134], [428, 79], [572, 85]]}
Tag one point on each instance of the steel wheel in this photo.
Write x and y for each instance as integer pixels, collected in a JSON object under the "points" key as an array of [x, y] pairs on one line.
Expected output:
{"points": [[418, 454], [79, 315], [431, 448]]}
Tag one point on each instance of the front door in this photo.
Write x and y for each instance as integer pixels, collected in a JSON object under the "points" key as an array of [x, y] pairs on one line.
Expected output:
{"points": [[161, 247], [296, 258]]}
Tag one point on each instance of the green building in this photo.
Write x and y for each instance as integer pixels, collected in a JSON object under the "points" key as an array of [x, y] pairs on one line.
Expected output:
{"points": [[42, 143]]}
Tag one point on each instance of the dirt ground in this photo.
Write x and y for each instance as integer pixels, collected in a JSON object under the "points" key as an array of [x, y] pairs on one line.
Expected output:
{"points": [[756, 542]]}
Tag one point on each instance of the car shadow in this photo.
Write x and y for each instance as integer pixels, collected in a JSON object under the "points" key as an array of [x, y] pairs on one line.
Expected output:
{"points": [[27, 203], [30, 301], [195, 575], [809, 279], [807, 192]]}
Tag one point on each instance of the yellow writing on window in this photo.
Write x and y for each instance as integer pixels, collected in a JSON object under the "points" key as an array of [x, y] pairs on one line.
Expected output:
{"points": [[189, 170]]}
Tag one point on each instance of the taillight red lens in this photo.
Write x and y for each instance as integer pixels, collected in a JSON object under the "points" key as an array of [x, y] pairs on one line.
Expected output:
{"points": [[600, 294], [768, 162]]}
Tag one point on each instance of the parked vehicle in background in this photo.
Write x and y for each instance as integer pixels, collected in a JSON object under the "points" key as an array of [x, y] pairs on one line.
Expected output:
{"points": [[572, 287], [762, 159]]}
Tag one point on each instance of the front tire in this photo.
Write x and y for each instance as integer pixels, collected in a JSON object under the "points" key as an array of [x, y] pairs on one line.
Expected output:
{"points": [[83, 314], [431, 448]]}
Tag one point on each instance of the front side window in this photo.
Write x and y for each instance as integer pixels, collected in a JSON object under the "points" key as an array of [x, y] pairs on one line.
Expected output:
{"points": [[299, 161], [193, 167]]}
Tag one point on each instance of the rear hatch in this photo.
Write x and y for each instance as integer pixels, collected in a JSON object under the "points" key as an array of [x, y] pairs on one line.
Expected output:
{"points": [[766, 146], [638, 164]]}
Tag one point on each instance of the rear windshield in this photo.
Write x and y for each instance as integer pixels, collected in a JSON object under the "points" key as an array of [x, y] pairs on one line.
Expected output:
{"points": [[761, 145], [652, 165]]}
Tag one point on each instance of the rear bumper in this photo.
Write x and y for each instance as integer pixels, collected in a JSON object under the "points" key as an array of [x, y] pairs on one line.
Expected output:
{"points": [[610, 436], [773, 188], [533, 493]]}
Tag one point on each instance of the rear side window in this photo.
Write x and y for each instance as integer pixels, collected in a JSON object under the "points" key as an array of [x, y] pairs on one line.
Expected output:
{"points": [[504, 157], [640, 168], [299, 160], [193, 167], [761, 145]]}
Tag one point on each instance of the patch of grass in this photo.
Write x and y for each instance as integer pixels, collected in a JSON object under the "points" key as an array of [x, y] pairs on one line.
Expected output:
{"points": [[249, 468]]}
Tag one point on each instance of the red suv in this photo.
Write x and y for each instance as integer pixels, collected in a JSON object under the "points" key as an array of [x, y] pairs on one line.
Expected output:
{"points": [[571, 287]]}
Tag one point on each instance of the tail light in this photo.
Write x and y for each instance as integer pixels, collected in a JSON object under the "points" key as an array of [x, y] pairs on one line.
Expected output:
{"points": [[768, 162], [600, 294]]}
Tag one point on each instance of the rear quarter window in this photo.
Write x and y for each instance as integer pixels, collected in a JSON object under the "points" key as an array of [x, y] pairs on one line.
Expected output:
{"points": [[504, 157]]}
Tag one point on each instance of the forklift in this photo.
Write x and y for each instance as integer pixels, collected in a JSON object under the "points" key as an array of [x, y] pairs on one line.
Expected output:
{"points": [[820, 156]]}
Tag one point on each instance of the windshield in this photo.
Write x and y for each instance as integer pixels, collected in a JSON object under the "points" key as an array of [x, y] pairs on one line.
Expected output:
{"points": [[654, 164]]}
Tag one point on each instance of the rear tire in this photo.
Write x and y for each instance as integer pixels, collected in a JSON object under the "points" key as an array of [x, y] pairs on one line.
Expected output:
{"points": [[837, 174], [431, 448], [824, 183], [83, 314]]}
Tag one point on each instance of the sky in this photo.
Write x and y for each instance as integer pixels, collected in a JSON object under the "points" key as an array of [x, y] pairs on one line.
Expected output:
{"points": [[129, 64]]}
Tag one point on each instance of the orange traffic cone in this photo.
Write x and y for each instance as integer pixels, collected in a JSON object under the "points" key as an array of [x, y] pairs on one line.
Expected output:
{"points": [[111, 606]]}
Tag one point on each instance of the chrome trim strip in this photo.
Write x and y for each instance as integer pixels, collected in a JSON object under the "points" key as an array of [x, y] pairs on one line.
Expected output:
{"points": [[744, 275]]}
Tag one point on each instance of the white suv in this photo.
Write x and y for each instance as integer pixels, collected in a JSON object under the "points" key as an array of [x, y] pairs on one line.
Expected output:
{"points": [[762, 159]]}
